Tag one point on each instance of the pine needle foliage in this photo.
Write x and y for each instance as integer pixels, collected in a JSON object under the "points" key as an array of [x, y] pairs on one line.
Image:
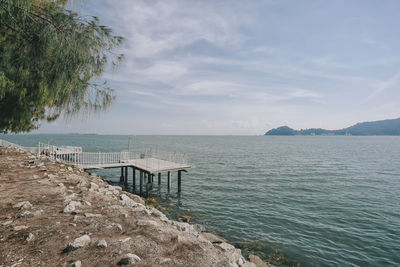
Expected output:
{"points": [[50, 58]]}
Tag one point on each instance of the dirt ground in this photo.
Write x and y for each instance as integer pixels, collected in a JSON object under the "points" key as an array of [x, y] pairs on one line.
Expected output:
{"points": [[55, 215]]}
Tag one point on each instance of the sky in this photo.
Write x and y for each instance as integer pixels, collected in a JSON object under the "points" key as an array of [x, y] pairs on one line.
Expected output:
{"points": [[218, 67]]}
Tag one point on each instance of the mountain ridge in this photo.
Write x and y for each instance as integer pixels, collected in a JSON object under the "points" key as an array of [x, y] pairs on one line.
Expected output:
{"points": [[381, 127]]}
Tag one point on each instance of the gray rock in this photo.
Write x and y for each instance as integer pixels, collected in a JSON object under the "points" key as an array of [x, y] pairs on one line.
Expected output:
{"points": [[7, 223], [125, 240], [157, 213], [199, 228], [128, 201], [79, 242], [146, 223], [23, 205], [70, 169], [258, 262], [235, 256], [129, 259], [77, 264], [182, 226], [51, 176], [71, 206], [225, 246], [91, 215], [102, 243], [93, 186], [30, 237], [26, 213]]}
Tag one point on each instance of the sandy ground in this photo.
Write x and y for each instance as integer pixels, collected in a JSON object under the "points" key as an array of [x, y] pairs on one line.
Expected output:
{"points": [[54, 215]]}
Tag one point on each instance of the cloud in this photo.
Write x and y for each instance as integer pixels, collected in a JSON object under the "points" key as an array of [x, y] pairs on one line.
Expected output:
{"points": [[158, 27], [382, 86]]}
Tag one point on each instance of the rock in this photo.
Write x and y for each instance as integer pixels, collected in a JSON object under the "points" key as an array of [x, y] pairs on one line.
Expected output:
{"points": [[35, 176], [70, 168], [257, 261], [91, 215], [213, 238], [225, 246], [23, 205], [128, 201], [77, 264], [146, 223], [199, 228], [25, 214], [78, 218], [181, 226], [157, 213], [102, 243], [129, 259], [37, 212], [30, 237], [119, 226], [79, 243], [138, 199], [93, 186], [125, 240], [51, 176], [71, 206], [114, 189], [20, 227], [7, 223]]}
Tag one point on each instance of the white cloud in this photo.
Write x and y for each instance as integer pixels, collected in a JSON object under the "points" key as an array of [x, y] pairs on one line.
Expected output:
{"points": [[382, 86]]}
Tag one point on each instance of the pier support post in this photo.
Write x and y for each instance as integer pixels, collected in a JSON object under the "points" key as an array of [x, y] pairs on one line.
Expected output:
{"points": [[121, 178], [159, 178], [149, 185], [169, 181], [141, 182], [133, 179], [179, 181], [126, 178]]}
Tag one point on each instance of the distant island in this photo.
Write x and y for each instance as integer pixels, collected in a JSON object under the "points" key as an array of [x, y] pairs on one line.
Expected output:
{"points": [[383, 127]]}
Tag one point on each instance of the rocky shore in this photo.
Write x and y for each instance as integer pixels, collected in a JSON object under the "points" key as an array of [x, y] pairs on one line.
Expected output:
{"points": [[56, 215]]}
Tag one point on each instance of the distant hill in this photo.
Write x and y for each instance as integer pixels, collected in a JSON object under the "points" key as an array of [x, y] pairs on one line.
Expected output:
{"points": [[384, 127]]}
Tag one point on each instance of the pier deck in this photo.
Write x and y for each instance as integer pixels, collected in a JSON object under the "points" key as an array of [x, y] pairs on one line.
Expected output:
{"points": [[150, 165]]}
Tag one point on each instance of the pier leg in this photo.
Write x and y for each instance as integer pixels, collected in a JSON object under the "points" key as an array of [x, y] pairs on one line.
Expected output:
{"points": [[169, 181], [126, 178], [179, 180], [141, 182], [159, 178], [149, 185], [121, 178], [148, 178], [133, 179]]}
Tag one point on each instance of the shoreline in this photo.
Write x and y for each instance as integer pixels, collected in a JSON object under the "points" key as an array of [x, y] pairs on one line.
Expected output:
{"points": [[52, 213]]}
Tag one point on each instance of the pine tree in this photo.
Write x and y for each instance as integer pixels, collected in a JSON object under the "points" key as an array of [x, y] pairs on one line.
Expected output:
{"points": [[50, 60]]}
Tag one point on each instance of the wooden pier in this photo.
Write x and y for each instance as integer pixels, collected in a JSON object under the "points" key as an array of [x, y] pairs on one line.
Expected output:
{"points": [[147, 164]]}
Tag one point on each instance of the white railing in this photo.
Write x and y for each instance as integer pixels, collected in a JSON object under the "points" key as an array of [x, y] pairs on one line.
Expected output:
{"points": [[74, 156]]}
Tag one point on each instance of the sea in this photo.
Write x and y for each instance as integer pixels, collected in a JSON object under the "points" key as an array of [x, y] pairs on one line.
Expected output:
{"points": [[293, 200]]}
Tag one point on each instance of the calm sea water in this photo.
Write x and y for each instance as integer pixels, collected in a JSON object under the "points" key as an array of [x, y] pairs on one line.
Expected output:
{"points": [[320, 201]]}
